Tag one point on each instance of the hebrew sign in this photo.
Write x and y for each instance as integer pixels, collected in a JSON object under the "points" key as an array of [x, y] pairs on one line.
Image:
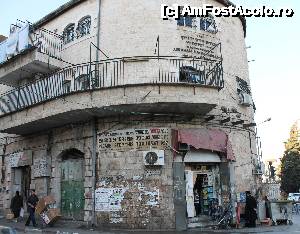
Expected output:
{"points": [[134, 139]]}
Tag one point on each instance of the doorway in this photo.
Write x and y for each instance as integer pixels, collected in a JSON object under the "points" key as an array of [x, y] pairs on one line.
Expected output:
{"points": [[72, 185], [202, 192], [22, 180]]}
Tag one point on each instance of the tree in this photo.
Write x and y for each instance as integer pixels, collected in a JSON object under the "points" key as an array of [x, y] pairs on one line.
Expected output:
{"points": [[290, 172], [290, 163], [293, 143]]}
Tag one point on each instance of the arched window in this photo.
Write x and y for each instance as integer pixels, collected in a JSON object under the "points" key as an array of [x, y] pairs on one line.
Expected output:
{"points": [[208, 24], [84, 26], [69, 33]]}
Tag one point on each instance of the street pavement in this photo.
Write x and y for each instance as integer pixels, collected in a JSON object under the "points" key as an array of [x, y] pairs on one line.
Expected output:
{"points": [[68, 229]]}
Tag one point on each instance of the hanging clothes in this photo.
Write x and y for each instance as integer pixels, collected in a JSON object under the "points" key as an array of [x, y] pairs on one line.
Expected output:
{"points": [[3, 51], [12, 44], [23, 38]]}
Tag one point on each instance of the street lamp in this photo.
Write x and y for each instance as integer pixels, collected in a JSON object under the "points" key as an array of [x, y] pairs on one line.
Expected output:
{"points": [[267, 120]]}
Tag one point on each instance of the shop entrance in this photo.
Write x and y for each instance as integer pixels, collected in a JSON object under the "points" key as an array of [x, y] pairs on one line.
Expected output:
{"points": [[72, 185], [203, 190]]}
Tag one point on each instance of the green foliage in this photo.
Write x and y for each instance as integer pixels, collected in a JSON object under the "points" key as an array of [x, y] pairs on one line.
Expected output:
{"points": [[290, 163], [290, 172], [293, 143]]}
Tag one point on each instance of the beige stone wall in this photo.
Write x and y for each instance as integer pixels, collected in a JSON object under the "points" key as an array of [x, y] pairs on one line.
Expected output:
{"points": [[76, 51], [129, 28]]}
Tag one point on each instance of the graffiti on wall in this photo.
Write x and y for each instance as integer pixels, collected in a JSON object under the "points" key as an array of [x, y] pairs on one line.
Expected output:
{"points": [[109, 199], [134, 139]]}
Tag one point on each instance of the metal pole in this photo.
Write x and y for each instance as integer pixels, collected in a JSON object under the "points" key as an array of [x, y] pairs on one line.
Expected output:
{"points": [[94, 125], [158, 46], [98, 30], [94, 161]]}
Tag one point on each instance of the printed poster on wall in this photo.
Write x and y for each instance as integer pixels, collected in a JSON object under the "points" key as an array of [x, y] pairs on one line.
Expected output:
{"points": [[41, 167], [109, 199]]}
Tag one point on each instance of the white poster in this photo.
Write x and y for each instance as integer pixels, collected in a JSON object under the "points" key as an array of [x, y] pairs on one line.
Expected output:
{"points": [[109, 199], [190, 194]]}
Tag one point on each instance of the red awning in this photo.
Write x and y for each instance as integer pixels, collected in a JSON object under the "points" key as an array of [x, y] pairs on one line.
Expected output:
{"points": [[209, 139]]}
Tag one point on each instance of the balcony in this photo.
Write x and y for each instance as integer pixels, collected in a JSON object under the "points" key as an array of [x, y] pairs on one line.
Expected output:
{"points": [[112, 87], [27, 53]]}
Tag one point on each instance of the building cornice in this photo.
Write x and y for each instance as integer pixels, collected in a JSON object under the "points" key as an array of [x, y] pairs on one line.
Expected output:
{"points": [[59, 11], [69, 5]]}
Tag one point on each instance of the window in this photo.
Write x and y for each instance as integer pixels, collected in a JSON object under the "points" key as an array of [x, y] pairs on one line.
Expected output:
{"points": [[188, 21], [69, 33], [67, 86], [84, 26], [242, 86], [190, 74], [185, 21], [180, 21], [82, 82], [208, 24]]}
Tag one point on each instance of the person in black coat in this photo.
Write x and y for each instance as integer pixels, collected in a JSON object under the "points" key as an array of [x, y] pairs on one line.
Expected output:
{"points": [[268, 207], [250, 210], [16, 204], [31, 204]]}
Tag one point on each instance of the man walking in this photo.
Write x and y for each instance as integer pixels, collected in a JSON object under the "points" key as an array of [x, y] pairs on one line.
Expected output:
{"points": [[250, 210], [31, 204]]}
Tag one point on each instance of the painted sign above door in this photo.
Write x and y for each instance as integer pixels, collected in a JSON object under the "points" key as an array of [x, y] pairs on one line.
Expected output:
{"points": [[20, 159]]}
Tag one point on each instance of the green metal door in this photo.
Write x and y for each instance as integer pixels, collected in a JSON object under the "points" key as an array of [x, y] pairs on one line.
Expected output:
{"points": [[72, 189]]}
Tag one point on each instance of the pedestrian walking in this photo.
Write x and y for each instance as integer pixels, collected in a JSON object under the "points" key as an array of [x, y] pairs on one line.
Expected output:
{"points": [[250, 210], [16, 205], [238, 214], [267, 207], [31, 204]]}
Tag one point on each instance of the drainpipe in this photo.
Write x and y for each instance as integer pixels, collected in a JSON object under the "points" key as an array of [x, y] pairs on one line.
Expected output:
{"points": [[98, 30], [94, 161], [94, 125]]}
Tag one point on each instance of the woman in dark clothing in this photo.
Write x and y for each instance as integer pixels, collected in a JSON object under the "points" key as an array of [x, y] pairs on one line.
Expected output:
{"points": [[267, 206], [16, 204], [250, 210]]}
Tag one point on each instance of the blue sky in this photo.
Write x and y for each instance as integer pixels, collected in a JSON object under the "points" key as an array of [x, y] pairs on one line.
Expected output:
{"points": [[275, 73]]}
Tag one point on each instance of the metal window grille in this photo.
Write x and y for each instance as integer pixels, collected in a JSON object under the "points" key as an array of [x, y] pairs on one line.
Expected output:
{"points": [[69, 33], [84, 26]]}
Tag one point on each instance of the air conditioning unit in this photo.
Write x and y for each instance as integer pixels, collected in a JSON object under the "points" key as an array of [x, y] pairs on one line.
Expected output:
{"points": [[245, 99], [154, 158]]}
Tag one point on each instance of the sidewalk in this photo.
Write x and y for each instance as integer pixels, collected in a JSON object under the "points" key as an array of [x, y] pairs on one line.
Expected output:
{"points": [[70, 227]]}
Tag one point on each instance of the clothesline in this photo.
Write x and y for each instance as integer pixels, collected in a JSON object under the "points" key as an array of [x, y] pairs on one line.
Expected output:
{"points": [[17, 42]]}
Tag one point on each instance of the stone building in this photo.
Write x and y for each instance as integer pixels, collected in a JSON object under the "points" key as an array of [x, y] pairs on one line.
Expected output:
{"points": [[128, 120]]}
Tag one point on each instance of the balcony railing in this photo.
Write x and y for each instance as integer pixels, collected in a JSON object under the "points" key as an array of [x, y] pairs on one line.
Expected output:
{"points": [[114, 73], [25, 38]]}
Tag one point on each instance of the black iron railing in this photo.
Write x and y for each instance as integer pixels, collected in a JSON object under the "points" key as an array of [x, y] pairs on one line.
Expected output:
{"points": [[114, 73], [47, 42]]}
